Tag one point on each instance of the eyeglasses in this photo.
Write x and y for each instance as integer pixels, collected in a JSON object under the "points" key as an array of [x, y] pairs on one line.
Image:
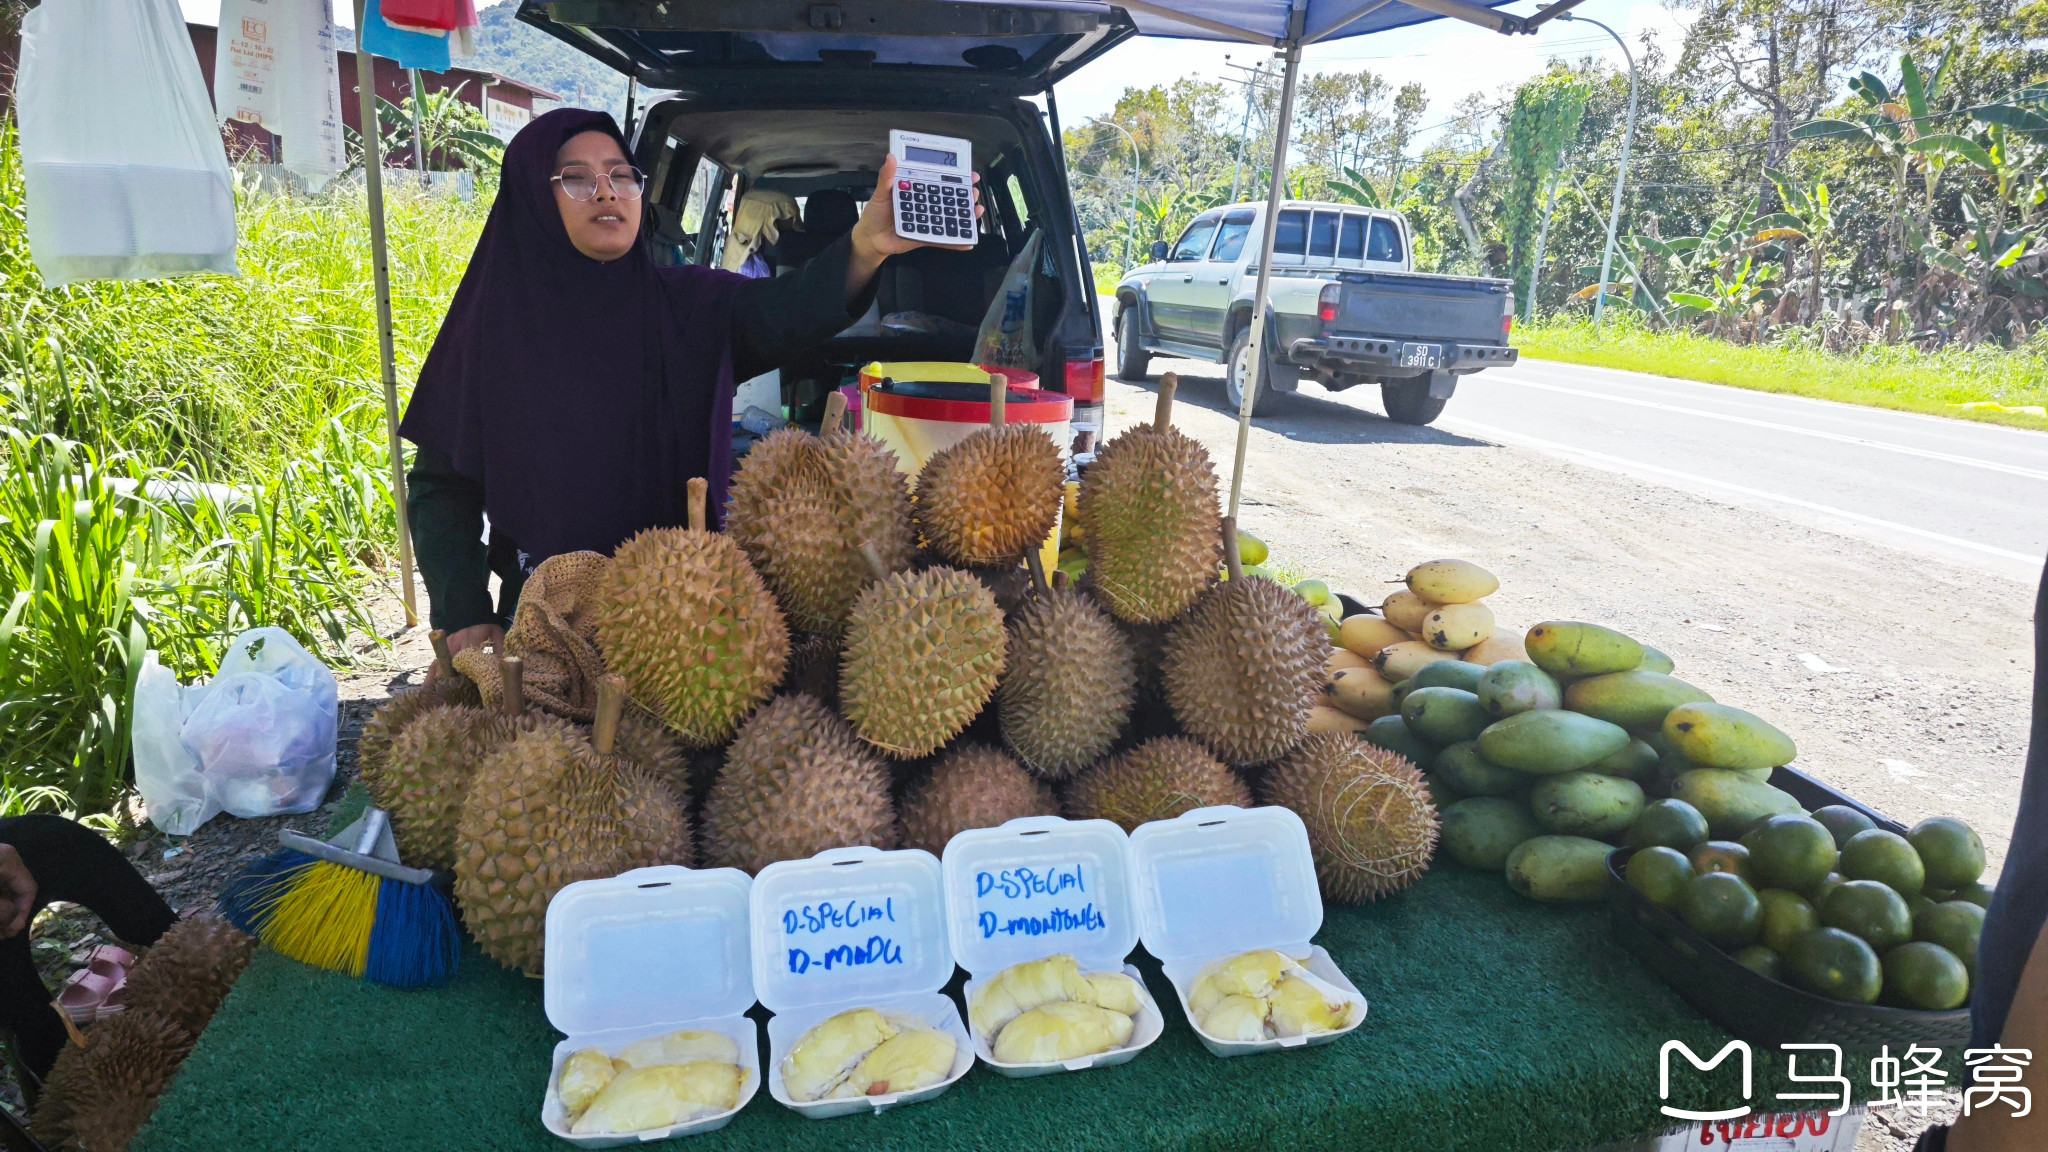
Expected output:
{"points": [[580, 181]]}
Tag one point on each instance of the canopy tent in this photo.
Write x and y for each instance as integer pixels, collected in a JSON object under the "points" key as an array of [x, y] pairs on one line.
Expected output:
{"points": [[1289, 26]]}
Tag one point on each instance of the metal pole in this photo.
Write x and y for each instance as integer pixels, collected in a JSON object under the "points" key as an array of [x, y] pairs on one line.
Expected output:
{"points": [[632, 90], [1274, 191], [1131, 232], [1251, 90], [1542, 234], [380, 267], [1628, 137], [419, 144]]}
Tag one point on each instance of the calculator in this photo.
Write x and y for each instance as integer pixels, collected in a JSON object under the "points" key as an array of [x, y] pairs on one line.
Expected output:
{"points": [[934, 188]]}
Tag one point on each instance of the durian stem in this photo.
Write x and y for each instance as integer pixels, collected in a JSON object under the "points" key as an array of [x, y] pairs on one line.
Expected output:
{"points": [[835, 413], [1037, 567], [70, 1027], [700, 491], [611, 703], [1231, 560], [512, 674], [443, 659], [874, 560], [998, 400], [1162, 417]]}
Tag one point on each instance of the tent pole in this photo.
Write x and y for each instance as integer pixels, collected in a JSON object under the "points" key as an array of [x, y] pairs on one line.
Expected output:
{"points": [[1275, 192], [380, 266]]}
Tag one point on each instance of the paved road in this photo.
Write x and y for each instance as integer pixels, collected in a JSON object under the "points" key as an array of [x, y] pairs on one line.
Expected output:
{"points": [[1974, 494]]}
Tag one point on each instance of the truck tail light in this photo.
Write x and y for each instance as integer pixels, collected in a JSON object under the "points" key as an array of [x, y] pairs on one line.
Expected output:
{"points": [[1084, 379], [1507, 318], [1326, 302]]}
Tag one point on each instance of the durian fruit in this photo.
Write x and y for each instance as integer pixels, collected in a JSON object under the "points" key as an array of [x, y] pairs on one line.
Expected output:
{"points": [[646, 741], [1157, 780], [662, 1096], [1062, 1030], [988, 499], [584, 1074], [685, 619], [802, 505], [1149, 502], [813, 668], [187, 973], [1371, 825], [796, 782], [972, 787], [1236, 1018], [911, 1059], [1244, 669], [687, 1046], [828, 1053], [924, 651], [1303, 1005], [1251, 974], [546, 809], [1068, 684], [392, 717], [1265, 994], [98, 1097], [1021, 987]]}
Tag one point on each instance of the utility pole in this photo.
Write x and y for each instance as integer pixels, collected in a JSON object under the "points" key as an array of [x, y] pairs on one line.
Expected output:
{"points": [[1628, 137], [1130, 232], [1251, 90]]}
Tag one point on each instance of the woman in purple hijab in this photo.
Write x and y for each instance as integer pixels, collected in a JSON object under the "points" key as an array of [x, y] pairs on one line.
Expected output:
{"points": [[576, 386]]}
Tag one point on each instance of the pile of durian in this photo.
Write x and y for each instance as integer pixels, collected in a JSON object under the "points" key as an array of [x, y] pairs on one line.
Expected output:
{"points": [[854, 661], [866, 1052], [1048, 1010], [658, 1082], [1267, 995]]}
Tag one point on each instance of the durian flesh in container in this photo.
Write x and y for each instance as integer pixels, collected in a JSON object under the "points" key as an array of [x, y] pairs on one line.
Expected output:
{"points": [[1227, 900], [1040, 916], [647, 973]]}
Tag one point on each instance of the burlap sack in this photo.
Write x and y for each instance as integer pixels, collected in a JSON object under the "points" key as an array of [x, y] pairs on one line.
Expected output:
{"points": [[554, 633]]}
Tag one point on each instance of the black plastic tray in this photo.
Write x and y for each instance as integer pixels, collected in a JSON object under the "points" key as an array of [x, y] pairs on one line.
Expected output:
{"points": [[1755, 1007]]}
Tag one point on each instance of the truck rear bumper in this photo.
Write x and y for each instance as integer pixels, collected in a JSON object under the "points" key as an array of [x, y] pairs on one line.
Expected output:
{"points": [[1376, 356]]}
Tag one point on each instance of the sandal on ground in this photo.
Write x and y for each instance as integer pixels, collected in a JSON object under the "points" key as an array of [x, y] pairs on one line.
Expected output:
{"points": [[88, 996]]}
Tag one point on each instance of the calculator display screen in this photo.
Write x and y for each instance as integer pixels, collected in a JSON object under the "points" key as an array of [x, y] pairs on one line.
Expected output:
{"points": [[931, 156]]}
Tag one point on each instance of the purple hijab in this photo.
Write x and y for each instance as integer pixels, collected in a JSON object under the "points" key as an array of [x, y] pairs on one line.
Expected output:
{"points": [[582, 395]]}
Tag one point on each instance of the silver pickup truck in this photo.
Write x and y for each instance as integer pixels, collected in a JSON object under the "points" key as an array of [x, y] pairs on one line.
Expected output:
{"points": [[1346, 308]]}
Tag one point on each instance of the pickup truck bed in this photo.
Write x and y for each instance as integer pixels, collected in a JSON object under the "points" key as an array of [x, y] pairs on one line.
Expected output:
{"points": [[1394, 325]]}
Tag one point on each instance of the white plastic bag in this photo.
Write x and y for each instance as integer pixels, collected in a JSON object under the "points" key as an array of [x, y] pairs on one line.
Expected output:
{"points": [[125, 171], [166, 772], [274, 64], [1006, 339], [264, 729]]}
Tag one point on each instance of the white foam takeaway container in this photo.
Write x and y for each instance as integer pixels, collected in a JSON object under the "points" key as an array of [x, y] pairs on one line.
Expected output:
{"points": [[1040, 886], [1215, 882], [853, 928], [652, 951]]}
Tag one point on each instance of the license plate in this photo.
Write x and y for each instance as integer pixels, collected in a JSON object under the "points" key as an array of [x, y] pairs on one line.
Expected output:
{"points": [[1421, 355]]}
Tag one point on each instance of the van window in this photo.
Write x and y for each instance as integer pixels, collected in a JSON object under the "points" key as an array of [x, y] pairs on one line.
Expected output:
{"points": [[1290, 238], [1194, 243], [1023, 208], [695, 200], [1322, 235], [1351, 244], [1386, 241], [1230, 238]]}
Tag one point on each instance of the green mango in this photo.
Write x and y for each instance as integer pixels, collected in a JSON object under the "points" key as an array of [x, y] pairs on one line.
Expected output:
{"points": [[1448, 674], [1465, 769], [1512, 687], [1481, 831], [1550, 741], [1569, 648], [1635, 762], [1655, 661], [1559, 869], [1393, 734], [1634, 699], [1441, 794], [1585, 804], [1444, 715], [1723, 737], [1731, 801]]}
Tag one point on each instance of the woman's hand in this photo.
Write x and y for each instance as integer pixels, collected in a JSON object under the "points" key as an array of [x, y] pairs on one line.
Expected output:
{"points": [[874, 235], [17, 893], [474, 636]]}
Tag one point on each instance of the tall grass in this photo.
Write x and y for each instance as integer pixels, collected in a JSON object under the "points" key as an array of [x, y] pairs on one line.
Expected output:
{"points": [[181, 460]]}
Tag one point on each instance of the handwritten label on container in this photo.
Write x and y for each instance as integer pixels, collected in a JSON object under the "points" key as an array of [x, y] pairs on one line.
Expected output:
{"points": [[1035, 902], [841, 934]]}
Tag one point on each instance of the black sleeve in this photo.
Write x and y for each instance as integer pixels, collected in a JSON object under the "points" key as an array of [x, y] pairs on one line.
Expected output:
{"points": [[777, 317], [447, 513]]}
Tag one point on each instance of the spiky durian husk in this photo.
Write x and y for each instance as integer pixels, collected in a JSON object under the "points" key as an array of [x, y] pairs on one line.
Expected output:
{"points": [[1154, 527], [923, 653], [801, 508], [185, 975], [392, 716], [814, 668], [971, 787], [685, 619], [992, 496], [795, 782], [99, 1096], [426, 774], [1244, 668], [1157, 780], [545, 810], [648, 743], [1371, 825], [1068, 685]]}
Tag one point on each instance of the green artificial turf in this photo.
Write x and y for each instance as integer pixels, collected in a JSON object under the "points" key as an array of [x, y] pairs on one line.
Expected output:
{"points": [[1496, 1025]]}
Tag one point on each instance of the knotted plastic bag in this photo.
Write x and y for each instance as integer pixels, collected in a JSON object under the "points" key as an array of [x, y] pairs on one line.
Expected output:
{"points": [[264, 729]]}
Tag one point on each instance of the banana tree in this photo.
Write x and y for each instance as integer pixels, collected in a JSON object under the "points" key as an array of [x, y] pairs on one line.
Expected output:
{"points": [[1354, 187], [1808, 218], [1730, 296]]}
